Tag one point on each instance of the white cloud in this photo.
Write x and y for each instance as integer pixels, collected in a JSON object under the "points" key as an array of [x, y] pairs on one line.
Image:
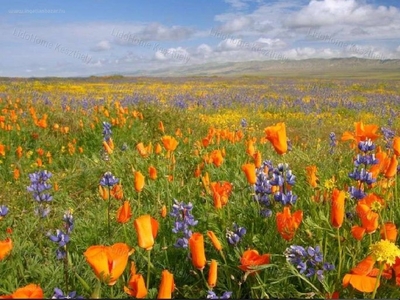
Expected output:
{"points": [[270, 43], [101, 46]]}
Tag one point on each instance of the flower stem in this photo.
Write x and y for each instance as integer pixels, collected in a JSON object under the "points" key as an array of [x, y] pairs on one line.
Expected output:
{"points": [[148, 269], [108, 213], [204, 279], [381, 265], [340, 253]]}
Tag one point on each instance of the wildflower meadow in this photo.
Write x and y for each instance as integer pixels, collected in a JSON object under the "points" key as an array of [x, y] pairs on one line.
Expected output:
{"points": [[203, 187]]}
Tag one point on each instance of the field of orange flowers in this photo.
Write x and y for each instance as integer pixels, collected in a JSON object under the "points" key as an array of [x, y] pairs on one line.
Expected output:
{"points": [[207, 187]]}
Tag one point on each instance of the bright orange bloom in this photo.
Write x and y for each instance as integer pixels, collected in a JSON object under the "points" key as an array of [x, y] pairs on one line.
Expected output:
{"points": [[277, 136], [250, 172], [136, 286], [16, 173], [30, 291], [196, 246], [221, 192], [161, 126], [117, 191], [18, 152], [158, 149], [104, 192], [369, 221], [360, 278], [169, 142], [142, 150], [257, 159], [163, 211], [146, 229], [362, 132], [108, 262], [217, 158], [389, 232], [396, 145], [312, 176], [391, 171], [139, 181], [337, 208], [5, 248], [152, 173], [167, 285], [250, 149], [216, 243], [213, 273], [287, 223], [124, 213], [2, 150], [251, 258], [107, 147]]}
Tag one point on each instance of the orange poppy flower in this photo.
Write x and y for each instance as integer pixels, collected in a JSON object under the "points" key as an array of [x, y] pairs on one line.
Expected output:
{"points": [[18, 151], [287, 223], [142, 150], [217, 158], [152, 173], [250, 149], [369, 218], [196, 246], [221, 192], [139, 181], [108, 262], [360, 278], [146, 229], [16, 173], [167, 285], [169, 142], [161, 126], [136, 286], [158, 149], [277, 136], [250, 172], [391, 171], [104, 192], [362, 132], [5, 248], [117, 191], [312, 176], [216, 243], [163, 211], [257, 159], [213, 273], [389, 232], [250, 258], [337, 208], [396, 145], [124, 213], [30, 291]]}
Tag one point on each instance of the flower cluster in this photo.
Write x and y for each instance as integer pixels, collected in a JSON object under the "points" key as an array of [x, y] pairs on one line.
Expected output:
{"points": [[308, 261], [58, 294], [388, 135], [276, 181], [62, 238], [213, 295], [38, 188], [234, 236], [361, 165], [183, 221], [332, 142], [3, 211], [107, 131], [108, 180]]}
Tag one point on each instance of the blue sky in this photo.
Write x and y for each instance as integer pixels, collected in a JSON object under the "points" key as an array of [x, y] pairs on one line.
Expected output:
{"points": [[94, 37]]}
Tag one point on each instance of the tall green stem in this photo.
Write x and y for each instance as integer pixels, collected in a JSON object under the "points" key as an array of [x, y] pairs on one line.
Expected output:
{"points": [[148, 269], [381, 265], [108, 213], [340, 254]]}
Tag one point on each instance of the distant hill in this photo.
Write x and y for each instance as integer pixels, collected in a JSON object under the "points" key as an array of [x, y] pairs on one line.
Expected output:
{"points": [[320, 68]]}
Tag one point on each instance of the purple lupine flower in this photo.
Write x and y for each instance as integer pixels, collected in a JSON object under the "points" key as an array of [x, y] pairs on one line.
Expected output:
{"points": [[59, 294], [234, 236], [61, 238], [356, 193], [366, 146], [42, 211], [108, 180], [243, 123], [107, 131], [332, 142], [308, 261], [184, 219], [3, 211], [213, 295], [68, 218]]}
